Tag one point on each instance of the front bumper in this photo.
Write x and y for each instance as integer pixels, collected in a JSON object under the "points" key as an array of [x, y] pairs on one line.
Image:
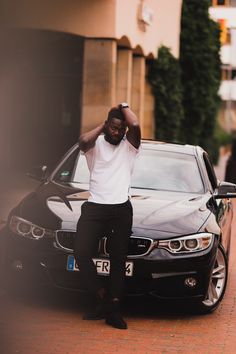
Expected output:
{"points": [[159, 273]]}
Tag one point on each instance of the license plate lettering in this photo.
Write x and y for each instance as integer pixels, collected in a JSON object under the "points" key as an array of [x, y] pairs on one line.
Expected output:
{"points": [[129, 269], [102, 265]]}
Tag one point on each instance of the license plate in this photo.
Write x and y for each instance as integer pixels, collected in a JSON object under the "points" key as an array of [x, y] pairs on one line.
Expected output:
{"points": [[103, 266]]}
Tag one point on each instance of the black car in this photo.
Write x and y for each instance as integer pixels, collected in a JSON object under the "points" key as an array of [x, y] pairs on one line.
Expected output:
{"points": [[180, 241]]}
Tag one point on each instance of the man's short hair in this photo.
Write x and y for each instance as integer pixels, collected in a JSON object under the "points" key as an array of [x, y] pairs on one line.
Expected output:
{"points": [[115, 113]]}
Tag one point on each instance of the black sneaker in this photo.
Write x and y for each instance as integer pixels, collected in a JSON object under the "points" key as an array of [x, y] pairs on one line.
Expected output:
{"points": [[114, 318]]}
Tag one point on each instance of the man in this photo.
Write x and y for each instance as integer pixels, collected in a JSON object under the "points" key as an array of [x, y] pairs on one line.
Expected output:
{"points": [[110, 158]]}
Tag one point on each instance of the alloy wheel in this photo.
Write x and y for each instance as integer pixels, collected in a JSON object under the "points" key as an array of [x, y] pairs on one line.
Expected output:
{"points": [[217, 281]]}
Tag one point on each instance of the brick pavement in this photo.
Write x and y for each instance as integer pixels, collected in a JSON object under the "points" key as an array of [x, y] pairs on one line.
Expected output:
{"points": [[51, 324]]}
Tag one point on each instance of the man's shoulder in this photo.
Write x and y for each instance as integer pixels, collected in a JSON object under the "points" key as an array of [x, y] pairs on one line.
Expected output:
{"points": [[98, 142], [130, 146]]}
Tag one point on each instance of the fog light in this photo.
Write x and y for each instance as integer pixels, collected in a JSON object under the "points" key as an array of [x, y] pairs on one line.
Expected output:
{"points": [[17, 265], [190, 282]]}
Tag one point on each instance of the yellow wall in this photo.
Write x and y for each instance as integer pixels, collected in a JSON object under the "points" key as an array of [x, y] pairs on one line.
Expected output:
{"points": [[91, 18], [164, 29], [110, 74], [99, 81], [100, 19]]}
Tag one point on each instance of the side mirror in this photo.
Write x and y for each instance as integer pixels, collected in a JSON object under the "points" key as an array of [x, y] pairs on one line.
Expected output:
{"points": [[226, 190], [38, 173]]}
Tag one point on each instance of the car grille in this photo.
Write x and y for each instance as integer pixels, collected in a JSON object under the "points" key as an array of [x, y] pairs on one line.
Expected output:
{"points": [[138, 246]]}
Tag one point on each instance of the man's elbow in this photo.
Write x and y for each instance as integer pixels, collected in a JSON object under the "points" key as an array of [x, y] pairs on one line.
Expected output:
{"points": [[83, 143], [134, 126], [135, 129], [134, 135]]}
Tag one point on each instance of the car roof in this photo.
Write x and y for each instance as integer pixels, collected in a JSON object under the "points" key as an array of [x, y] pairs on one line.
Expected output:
{"points": [[171, 147]]}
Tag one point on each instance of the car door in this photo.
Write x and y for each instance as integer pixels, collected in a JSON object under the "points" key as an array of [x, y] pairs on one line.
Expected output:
{"points": [[224, 207]]}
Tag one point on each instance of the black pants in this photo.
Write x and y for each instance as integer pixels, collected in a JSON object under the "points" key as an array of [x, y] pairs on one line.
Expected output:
{"points": [[95, 219]]}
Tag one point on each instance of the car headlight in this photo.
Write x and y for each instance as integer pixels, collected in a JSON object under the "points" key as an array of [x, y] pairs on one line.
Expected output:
{"points": [[187, 244], [27, 229]]}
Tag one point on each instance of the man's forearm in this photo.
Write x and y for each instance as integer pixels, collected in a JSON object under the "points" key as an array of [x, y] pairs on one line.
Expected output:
{"points": [[130, 117], [87, 140], [134, 131]]}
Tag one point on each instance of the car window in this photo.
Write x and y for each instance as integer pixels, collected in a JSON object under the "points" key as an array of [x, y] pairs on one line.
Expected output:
{"points": [[81, 172], [157, 170], [210, 171], [73, 170], [168, 171]]}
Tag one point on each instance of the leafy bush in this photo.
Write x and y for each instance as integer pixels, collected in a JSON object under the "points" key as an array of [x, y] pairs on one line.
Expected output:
{"points": [[164, 76], [200, 72]]}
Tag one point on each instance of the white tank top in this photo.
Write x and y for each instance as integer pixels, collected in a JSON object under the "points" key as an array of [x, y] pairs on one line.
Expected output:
{"points": [[110, 169]]}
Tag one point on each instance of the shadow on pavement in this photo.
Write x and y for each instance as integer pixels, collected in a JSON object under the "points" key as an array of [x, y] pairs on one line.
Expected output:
{"points": [[74, 301]]}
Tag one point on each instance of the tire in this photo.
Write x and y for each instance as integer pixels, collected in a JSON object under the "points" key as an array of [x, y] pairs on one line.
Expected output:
{"points": [[217, 283]]}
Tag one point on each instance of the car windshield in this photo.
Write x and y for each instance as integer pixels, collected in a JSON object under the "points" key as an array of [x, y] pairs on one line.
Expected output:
{"points": [[155, 170], [167, 171]]}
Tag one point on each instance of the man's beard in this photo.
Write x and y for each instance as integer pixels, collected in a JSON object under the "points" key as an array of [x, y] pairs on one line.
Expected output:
{"points": [[112, 141], [109, 138]]}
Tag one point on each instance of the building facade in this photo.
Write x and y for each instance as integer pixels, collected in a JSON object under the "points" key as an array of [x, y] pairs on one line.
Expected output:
{"points": [[67, 62], [224, 11]]}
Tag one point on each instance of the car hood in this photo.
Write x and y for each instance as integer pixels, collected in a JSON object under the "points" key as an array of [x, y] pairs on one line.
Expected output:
{"points": [[156, 213]]}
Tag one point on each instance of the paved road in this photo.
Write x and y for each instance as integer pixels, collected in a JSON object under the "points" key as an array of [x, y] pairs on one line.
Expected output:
{"points": [[50, 323]]}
